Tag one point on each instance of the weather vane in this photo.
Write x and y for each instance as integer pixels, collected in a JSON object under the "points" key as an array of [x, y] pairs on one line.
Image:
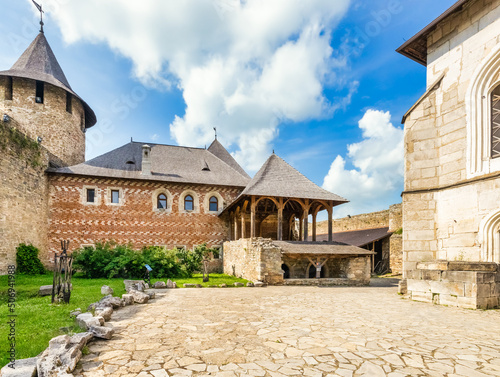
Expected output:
{"points": [[215, 129], [39, 7]]}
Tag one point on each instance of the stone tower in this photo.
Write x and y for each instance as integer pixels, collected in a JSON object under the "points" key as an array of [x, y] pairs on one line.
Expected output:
{"points": [[39, 102]]}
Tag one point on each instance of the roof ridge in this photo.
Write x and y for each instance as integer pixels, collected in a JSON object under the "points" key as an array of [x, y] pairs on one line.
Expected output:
{"points": [[166, 145]]}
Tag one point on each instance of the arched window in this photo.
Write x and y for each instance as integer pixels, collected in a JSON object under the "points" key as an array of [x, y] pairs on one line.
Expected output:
{"points": [[188, 203], [495, 122], [214, 204], [162, 201]]}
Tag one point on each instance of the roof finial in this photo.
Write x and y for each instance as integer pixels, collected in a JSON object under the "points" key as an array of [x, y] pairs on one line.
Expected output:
{"points": [[39, 7], [215, 129]]}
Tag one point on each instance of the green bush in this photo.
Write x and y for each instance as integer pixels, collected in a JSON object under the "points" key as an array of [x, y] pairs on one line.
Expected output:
{"points": [[27, 260], [109, 260]]}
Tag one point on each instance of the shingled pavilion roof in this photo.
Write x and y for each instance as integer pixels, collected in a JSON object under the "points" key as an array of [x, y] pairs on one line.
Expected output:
{"points": [[358, 237], [168, 163], [38, 62], [278, 179]]}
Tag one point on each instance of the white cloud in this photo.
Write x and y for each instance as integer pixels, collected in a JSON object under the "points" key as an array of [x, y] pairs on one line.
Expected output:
{"points": [[377, 176], [242, 66]]}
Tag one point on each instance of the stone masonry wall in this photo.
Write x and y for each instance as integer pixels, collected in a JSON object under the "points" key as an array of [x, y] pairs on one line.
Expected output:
{"points": [[23, 195], [443, 208], [135, 220], [61, 131], [254, 260]]}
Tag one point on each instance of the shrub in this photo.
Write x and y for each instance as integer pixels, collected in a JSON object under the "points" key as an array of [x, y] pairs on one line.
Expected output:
{"points": [[164, 262], [27, 260], [93, 260]]}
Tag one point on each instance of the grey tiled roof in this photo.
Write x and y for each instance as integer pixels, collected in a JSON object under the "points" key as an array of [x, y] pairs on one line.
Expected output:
{"points": [[318, 248], [278, 179], [358, 237], [38, 62], [217, 149], [168, 163]]}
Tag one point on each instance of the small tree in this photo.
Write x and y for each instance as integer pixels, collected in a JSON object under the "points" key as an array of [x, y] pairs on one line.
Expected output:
{"points": [[27, 260]]}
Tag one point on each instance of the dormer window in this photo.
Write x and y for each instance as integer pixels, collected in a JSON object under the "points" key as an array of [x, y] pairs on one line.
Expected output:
{"points": [[188, 203], [39, 92], [495, 122]]}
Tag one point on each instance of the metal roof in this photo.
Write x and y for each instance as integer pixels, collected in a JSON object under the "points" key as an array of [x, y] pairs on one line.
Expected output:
{"points": [[38, 62], [168, 164], [415, 48], [320, 248], [358, 238], [277, 178]]}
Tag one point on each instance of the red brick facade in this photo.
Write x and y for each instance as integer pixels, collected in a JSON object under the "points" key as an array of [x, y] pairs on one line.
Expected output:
{"points": [[136, 218]]}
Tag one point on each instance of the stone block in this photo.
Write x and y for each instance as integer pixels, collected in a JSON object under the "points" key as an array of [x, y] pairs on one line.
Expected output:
{"points": [[105, 312], [470, 290], [472, 266], [128, 299], [136, 285], [150, 293], [418, 285], [106, 290], [402, 287], [447, 288], [189, 285], [484, 290], [459, 276], [102, 332], [114, 302], [422, 296], [467, 302], [446, 299], [434, 265], [237, 284], [45, 290], [140, 297], [22, 368], [488, 277], [170, 284], [159, 285], [430, 275]]}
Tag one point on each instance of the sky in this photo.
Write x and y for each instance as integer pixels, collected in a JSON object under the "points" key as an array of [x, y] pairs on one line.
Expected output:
{"points": [[316, 81]]}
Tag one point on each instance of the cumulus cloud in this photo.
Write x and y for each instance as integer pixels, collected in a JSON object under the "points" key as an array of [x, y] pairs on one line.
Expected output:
{"points": [[377, 161], [242, 66]]}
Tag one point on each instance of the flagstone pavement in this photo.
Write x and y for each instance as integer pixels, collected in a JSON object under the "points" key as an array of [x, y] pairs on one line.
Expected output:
{"points": [[290, 331]]}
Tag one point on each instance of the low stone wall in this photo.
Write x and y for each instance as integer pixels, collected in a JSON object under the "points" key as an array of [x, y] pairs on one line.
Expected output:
{"points": [[396, 251], [473, 285], [255, 260], [215, 266]]}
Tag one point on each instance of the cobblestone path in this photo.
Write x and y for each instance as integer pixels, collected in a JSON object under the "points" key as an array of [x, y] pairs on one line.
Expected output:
{"points": [[290, 331]]}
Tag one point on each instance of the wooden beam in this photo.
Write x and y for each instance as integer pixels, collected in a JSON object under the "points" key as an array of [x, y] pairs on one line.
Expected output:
{"points": [[280, 220], [330, 222], [252, 218], [306, 220]]}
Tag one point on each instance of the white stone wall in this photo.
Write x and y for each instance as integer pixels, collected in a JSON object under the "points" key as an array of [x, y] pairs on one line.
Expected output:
{"points": [[443, 205]]}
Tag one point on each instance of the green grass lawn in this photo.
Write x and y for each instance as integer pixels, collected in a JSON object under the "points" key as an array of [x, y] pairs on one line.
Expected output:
{"points": [[38, 320]]}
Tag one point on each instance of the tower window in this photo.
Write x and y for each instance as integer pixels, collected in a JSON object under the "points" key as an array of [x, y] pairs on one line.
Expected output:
{"points": [[214, 204], [8, 88], [69, 107], [495, 122], [39, 92], [162, 201], [188, 203], [90, 195]]}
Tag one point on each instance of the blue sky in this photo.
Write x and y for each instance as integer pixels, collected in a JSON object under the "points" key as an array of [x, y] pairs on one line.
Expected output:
{"points": [[317, 81]]}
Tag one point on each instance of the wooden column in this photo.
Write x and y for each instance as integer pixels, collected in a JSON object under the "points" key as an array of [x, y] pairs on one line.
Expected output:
{"points": [[235, 226], [315, 213], [301, 228], [330, 223], [306, 221], [252, 218], [280, 220], [243, 225]]}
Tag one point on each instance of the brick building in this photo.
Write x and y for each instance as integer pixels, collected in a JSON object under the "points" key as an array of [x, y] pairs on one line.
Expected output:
{"points": [[148, 194]]}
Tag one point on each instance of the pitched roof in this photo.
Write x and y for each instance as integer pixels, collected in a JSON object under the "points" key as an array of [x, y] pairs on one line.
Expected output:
{"points": [[278, 179], [415, 48], [320, 248], [168, 164], [38, 62], [217, 149], [358, 237]]}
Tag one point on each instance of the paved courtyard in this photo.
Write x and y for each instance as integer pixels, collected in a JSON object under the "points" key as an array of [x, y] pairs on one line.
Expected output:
{"points": [[288, 331]]}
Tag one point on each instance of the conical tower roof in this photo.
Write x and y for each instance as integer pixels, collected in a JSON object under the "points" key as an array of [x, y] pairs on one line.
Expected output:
{"points": [[38, 62], [277, 178]]}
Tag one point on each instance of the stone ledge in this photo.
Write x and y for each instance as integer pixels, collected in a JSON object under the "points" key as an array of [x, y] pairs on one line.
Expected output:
{"points": [[324, 282], [458, 266]]}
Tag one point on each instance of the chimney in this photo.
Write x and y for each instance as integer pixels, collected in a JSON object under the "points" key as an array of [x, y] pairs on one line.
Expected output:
{"points": [[146, 160]]}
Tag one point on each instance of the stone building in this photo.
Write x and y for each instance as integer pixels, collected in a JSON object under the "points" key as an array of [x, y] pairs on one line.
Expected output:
{"points": [[379, 232], [171, 196], [451, 210]]}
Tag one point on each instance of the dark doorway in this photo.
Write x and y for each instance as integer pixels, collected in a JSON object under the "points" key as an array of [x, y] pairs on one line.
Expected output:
{"points": [[286, 271]]}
